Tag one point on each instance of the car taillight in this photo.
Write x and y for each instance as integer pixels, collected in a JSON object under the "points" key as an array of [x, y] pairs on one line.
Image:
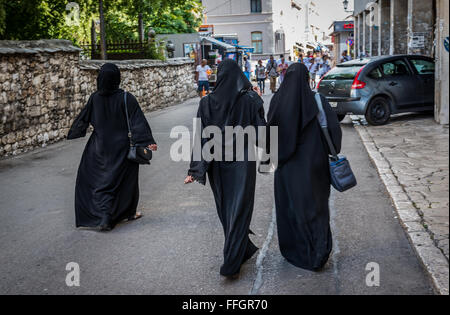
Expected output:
{"points": [[321, 79], [357, 84], [318, 84]]}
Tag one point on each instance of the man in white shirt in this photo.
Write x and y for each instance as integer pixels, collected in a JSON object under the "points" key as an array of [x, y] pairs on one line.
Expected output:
{"points": [[202, 77]]}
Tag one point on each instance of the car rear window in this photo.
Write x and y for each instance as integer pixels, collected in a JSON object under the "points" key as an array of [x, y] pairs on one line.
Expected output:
{"points": [[343, 73]]}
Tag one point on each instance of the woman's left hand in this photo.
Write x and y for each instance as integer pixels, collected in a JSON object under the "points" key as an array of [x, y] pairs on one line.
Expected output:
{"points": [[153, 147], [189, 180], [257, 90]]}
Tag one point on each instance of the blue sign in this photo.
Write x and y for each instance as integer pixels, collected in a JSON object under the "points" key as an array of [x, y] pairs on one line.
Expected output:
{"points": [[446, 44]]}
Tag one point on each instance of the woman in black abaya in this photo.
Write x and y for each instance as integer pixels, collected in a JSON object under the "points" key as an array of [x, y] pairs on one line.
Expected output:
{"points": [[232, 103], [302, 179], [107, 188]]}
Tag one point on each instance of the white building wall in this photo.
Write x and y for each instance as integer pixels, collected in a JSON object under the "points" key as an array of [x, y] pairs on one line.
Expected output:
{"points": [[235, 17], [288, 19]]}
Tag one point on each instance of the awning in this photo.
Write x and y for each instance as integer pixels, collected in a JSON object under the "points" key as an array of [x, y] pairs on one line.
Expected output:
{"points": [[218, 43], [246, 48]]}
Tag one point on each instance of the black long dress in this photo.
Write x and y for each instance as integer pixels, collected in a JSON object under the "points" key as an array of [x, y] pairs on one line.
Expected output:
{"points": [[232, 103], [302, 179], [107, 189]]}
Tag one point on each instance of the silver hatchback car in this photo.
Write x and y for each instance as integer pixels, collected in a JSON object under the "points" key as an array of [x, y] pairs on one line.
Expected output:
{"points": [[380, 86]]}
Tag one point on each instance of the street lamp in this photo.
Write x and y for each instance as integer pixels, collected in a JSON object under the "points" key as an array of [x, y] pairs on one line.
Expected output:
{"points": [[346, 3]]}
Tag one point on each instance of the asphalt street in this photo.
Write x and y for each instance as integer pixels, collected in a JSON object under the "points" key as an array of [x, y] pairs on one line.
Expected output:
{"points": [[177, 247]]}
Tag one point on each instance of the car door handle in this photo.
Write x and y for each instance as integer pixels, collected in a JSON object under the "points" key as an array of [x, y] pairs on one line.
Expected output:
{"points": [[393, 84]]}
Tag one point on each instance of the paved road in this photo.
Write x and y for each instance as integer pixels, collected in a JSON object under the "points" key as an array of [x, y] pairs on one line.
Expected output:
{"points": [[177, 247]]}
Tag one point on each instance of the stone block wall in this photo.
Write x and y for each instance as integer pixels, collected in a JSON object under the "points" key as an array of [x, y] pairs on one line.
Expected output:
{"points": [[44, 85]]}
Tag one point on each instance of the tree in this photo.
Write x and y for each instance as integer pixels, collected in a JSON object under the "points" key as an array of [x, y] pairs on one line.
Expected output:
{"points": [[102, 30], [38, 19], [44, 19]]}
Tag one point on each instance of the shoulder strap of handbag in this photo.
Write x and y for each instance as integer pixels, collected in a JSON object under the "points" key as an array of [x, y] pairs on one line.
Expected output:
{"points": [[322, 118], [128, 118]]}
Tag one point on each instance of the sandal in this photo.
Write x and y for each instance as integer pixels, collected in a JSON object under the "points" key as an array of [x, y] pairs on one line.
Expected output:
{"points": [[137, 216]]}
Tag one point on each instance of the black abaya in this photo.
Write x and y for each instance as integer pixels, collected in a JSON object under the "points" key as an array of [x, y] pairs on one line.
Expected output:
{"points": [[107, 189], [232, 103], [302, 179]]}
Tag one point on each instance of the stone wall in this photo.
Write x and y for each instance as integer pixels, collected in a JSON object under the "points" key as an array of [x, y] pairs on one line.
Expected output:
{"points": [[44, 85]]}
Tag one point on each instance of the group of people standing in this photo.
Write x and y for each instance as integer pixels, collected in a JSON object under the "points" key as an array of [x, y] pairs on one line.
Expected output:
{"points": [[317, 64], [107, 185]]}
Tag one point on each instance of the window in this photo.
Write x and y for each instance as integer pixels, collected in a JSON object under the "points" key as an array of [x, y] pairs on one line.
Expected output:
{"points": [[423, 66], [280, 42], [257, 42], [376, 74], [343, 73], [395, 68], [256, 6]]}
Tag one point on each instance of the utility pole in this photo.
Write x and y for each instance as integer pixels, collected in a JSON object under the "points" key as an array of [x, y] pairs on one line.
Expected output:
{"points": [[102, 31]]}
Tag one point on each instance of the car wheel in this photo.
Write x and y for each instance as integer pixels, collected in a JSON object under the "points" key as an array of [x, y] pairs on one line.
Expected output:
{"points": [[341, 117], [378, 112]]}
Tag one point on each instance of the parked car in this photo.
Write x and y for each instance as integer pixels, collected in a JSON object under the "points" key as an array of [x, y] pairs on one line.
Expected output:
{"points": [[380, 86]]}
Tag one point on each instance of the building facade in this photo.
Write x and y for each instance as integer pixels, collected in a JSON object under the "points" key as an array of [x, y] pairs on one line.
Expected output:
{"points": [[343, 38], [392, 27], [271, 27]]}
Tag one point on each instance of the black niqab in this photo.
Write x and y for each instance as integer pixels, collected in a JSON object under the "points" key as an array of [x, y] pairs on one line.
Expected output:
{"points": [[108, 80], [232, 103], [292, 108], [230, 86], [107, 187], [302, 179]]}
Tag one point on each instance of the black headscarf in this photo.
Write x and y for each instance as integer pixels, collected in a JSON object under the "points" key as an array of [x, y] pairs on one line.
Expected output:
{"points": [[108, 80], [231, 84], [292, 108]]}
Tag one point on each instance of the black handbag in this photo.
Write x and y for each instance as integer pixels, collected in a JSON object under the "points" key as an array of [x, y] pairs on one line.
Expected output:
{"points": [[342, 177], [138, 154]]}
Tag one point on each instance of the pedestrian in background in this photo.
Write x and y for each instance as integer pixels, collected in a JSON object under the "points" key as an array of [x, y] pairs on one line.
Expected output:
{"points": [[313, 68], [345, 57], [107, 186], [272, 71], [290, 61], [302, 178], [233, 103], [326, 63], [202, 74], [307, 61], [282, 68], [247, 68], [261, 76], [300, 58]]}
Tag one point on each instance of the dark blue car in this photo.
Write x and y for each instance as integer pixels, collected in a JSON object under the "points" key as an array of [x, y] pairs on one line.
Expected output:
{"points": [[380, 86]]}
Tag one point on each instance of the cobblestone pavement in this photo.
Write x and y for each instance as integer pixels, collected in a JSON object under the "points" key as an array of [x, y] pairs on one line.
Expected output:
{"points": [[412, 157]]}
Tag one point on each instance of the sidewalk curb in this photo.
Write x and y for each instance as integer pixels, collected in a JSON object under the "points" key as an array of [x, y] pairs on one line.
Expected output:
{"points": [[431, 257]]}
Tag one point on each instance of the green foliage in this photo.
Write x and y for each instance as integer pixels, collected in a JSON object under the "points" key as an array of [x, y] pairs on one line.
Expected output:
{"points": [[43, 19], [164, 16], [183, 18], [155, 50]]}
